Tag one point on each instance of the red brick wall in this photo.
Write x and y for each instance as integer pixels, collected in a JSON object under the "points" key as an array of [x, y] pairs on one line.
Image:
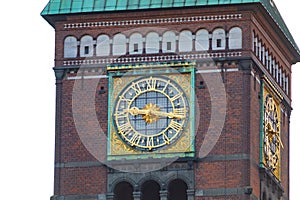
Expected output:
{"points": [[239, 136]]}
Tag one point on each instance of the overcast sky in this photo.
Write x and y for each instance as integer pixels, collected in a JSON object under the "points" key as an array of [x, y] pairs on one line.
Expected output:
{"points": [[27, 87]]}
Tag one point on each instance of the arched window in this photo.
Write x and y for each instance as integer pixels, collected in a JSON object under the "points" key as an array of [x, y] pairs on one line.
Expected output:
{"points": [[123, 191], [202, 40], [152, 42], [276, 72], [169, 42], [136, 43], [256, 46], [86, 46], [267, 59], [119, 44], [287, 84], [283, 81], [150, 191], [259, 50], [70, 47], [177, 190], [185, 41], [280, 77], [218, 39], [103, 46], [235, 38], [262, 58]]}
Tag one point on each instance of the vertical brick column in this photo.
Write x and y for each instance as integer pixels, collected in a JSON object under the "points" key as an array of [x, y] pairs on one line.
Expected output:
{"points": [[59, 75]]}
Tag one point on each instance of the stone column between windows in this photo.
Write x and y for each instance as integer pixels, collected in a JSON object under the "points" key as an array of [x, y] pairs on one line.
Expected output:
{"points": [[136, 195], [110, 196], [190, 194], [163, 195]]}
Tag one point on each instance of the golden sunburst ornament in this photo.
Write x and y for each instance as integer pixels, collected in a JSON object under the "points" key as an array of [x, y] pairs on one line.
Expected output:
{"points": [[150, 117]]}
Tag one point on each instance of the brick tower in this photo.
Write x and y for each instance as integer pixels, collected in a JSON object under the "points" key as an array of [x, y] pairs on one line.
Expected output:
{"points": [[171, 99]]}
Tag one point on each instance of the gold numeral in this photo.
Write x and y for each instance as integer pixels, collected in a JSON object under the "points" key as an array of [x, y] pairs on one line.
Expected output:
{"points": [[122, 98], [135, 139], [150, 142], [175, 126], [125, 128], [166, 138], [167, 83], [151, 83], [120, 114], [136, 88], [176, 96], [180, 111]]}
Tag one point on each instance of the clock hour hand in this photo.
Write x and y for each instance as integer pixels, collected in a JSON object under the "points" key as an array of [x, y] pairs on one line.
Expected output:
{"points": [[137, 111]]}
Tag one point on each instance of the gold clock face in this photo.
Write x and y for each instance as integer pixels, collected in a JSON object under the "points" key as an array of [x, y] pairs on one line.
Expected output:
{"points": [[150, 113], [272, 141]]}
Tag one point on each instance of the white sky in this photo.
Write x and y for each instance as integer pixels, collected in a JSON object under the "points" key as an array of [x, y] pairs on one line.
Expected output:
{"points": [[27, 87]]}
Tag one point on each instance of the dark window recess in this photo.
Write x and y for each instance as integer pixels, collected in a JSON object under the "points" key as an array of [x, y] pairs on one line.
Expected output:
{"points": [[219, 43], [169, 46], [201, 85], [135, 47], [86, 50]]}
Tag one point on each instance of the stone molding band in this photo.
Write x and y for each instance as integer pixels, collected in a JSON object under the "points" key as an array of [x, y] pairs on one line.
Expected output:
{"points": [[153, 21]]}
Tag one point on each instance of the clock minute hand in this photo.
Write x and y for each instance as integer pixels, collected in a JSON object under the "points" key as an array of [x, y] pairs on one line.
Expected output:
{"points": [[165, 114]]}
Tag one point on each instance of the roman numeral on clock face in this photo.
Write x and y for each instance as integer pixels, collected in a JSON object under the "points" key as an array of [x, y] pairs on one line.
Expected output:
{"points": [[125, 129], [120, 114], [122, 98], [135, 139], [175, 126], [177, 96], [136, 88], [151, 83], [179, 111], [150, 142]]}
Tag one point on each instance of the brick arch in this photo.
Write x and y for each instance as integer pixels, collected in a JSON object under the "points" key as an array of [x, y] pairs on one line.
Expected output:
{"points": [[151, 178], [120, 180], [123, 191], [180, 177]]}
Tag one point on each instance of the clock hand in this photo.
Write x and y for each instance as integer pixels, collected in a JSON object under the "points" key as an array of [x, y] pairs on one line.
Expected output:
{"points": [[165, 114], [137, 111]]}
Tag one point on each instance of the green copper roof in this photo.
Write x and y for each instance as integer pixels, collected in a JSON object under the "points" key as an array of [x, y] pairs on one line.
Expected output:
{"points": [[78, 6], [56, 7]]}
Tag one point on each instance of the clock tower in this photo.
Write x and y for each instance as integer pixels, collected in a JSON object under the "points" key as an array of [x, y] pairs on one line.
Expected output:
{"points": [[171, 99]]}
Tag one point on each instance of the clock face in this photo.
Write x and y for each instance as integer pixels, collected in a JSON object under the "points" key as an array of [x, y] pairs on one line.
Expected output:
{"points": [[272, 140], [150, 113]]}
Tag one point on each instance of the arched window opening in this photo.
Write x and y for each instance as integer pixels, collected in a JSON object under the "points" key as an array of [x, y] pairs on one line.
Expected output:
{"points": [[202, 40], [177, 190], [287, 84], [185, 41], [235, 38], [218, 39], [152, 43], [169, 42], [150, 191], [103, 46], [280, 77], [123, 191], [136, 43], [283, 81], [86, 46], [70, 47], [119, 44]]}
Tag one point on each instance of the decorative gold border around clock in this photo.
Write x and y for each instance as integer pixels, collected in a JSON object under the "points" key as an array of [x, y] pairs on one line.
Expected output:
{"points": [[117, 148]]}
